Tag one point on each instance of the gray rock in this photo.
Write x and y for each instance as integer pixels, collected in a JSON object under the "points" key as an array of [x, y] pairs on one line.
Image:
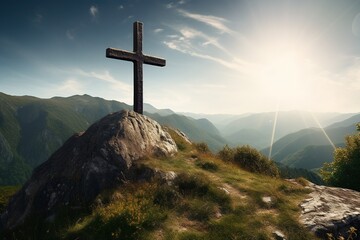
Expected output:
{"points": [[278, 235], [331, 210], [104, 156]]}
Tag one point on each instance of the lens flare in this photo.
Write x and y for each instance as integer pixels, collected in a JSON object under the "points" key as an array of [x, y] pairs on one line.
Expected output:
{"points": [[323, 131], [273, 131]]}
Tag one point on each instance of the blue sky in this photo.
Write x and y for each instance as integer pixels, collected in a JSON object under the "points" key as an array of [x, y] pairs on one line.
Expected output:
{"points": [[222, 56]]}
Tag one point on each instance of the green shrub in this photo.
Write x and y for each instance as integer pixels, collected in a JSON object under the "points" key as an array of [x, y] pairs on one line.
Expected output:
{"points": [[166, 196], [249, 159], [226, 154], [252, 160], [201, 211], [209, 166], [202, 147], [196, 185], [344, 170]]}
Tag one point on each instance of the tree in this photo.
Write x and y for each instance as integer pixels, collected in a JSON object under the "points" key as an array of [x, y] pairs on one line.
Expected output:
{"points": [[345, 169]]}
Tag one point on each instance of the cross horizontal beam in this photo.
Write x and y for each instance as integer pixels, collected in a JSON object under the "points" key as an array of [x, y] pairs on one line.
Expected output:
{"points": [[133, 57]]}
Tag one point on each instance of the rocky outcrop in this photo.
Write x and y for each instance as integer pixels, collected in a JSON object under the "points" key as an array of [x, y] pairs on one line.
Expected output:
{"points": [[331, 210], [102, 157]]}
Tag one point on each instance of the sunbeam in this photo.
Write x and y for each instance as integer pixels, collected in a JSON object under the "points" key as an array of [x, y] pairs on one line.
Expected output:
{"points": [[273, 130], [323, 130]]}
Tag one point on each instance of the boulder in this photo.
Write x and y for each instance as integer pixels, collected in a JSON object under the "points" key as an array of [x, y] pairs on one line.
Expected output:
{"points": [[102, 157], [331, 210]]}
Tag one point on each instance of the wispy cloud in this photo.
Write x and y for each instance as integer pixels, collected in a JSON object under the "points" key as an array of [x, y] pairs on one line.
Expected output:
{"points": [[93, 11], [170, 5], [71, 86], [213, 21], [186, 48], [193, 42], [121, 7], [190, 33], [158, 30], [108, 78], [175, 4]]}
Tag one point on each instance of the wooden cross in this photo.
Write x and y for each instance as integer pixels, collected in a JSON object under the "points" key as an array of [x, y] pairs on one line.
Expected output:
{"points": [[138, 58]]}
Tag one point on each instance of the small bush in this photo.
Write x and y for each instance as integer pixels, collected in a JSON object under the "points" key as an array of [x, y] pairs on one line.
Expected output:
{"points": [[252, 160], [196, 185], [202, 147], [201, 211], [166, 196], [209, 166], [226, 154]]}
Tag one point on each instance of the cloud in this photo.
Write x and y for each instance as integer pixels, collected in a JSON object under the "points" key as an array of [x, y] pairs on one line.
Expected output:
{"points": [[93, 11], [71, 86], [108, 78], [70, 34], [158, 30], [186, 48], [170, 5], [213, 21], [187, 42], [120, 7], [175, 4]]}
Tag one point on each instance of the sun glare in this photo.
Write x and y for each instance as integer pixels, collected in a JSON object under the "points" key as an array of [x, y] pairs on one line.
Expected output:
{"points": [[284, 72]]}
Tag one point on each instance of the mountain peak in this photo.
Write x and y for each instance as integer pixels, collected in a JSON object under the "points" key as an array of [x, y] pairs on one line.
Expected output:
{"points": [[100, 158]]}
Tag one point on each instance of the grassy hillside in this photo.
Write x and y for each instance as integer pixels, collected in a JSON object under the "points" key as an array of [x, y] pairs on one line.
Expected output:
{"points": [[31, 129], [208, 199]]}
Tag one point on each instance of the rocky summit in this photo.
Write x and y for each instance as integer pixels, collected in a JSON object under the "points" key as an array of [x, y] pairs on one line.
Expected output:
{"points": [[100, 158]]}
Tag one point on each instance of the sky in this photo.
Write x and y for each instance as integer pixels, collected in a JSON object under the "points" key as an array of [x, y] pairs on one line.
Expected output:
{"points": [[229, 56]]}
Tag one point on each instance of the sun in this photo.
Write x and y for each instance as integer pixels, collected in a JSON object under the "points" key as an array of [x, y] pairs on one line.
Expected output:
{"points": [[284, 71]]}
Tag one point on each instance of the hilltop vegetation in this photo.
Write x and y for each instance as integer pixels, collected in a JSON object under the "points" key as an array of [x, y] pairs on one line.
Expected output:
{"points": [[344, 170], [208, 198]]}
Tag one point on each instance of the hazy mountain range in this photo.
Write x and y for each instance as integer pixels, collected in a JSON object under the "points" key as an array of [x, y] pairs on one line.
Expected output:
{"points": [[31, 129]]}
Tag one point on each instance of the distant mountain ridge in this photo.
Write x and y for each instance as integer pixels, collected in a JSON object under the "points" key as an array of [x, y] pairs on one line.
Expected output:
{"points": [[310, 148], [257, 129], [32, 128]]}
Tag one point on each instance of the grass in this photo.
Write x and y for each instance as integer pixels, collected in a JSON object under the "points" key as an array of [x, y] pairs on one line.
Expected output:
{"points": [[6, 192], [209, 199]]}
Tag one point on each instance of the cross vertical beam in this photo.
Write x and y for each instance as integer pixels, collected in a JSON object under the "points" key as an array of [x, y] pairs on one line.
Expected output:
{"points": [[138, 68], [138, 59]]}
